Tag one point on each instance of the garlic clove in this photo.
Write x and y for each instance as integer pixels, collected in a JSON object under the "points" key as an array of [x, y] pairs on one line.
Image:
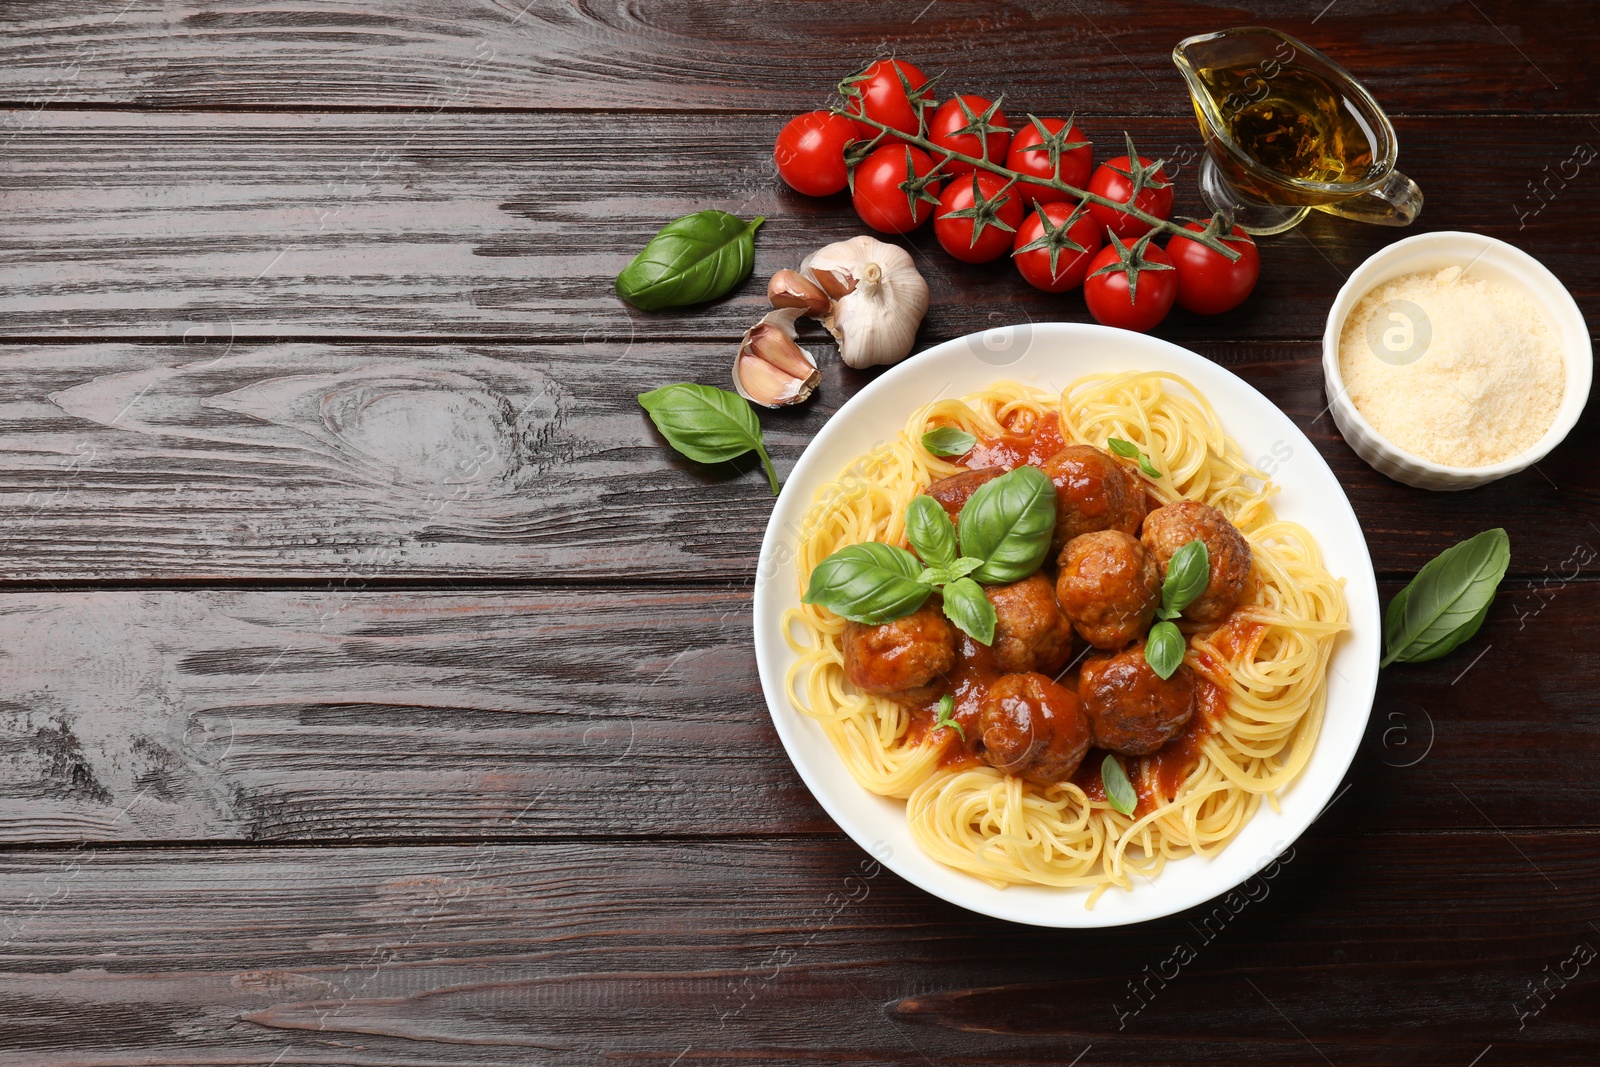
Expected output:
{"points": [[773, 345], [880, 301], [762, 383], [835, 283], [771, 369], [791, 289]]}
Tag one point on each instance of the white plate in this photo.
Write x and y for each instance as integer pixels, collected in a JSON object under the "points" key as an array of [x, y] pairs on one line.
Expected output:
{"points": [[1051, 355]]}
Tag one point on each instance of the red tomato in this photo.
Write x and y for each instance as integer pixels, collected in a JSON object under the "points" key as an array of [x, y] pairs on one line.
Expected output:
{"points": [[972, 126], [976, 217], [1152, 294], [1039, 240], [1207, 283], [888, 90], [1033, 151], [1115, 179], [810, 152], [889, 195]]}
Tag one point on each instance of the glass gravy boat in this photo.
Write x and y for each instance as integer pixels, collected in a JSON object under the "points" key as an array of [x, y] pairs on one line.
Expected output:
{"points": [[1288, 130]]}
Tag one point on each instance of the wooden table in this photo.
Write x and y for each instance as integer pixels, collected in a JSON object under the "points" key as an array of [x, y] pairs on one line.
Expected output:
{"points": [[379, 690]]}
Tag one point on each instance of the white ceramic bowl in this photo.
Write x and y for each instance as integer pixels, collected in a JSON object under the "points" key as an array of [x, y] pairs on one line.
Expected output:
{"points": [[1493, 260], [1051, 355]]}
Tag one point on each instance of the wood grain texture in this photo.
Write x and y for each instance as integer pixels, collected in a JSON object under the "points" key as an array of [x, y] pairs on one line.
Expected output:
{"points": [[337, 716], [783, 952], [148, 226], [1094, 56], [370, 463], [318, 296]]}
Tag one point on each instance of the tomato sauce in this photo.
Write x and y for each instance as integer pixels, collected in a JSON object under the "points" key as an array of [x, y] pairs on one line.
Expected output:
{"points": [[1088, 777], [1156, 777], [1023, 445], [968, 684], [1238, 638], [1163, 771], [1237, 634]]}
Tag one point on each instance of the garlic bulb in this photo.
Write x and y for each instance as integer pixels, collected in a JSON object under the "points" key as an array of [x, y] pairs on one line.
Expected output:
{"points": [[770, 369], [878, 299]]}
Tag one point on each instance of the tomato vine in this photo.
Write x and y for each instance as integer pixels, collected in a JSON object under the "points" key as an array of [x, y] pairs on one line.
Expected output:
{"points": [[947, 156]]}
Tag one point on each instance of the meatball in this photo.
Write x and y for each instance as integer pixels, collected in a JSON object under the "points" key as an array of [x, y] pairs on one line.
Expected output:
{"points": [[1093, 492], [895, 658], [1109, 586], [1030, 632], [953, 492], [1130, 708], [1170, 528], [1033, 728]]}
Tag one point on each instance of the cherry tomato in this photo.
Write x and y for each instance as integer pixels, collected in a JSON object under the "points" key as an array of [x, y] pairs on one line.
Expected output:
{"points": [[972, 126], [1114, 180], [1107, 294], [879, 92], [1036, 243], [810, 152], [887, 189], [977, 217], [1207, 283], [1031, 152]]}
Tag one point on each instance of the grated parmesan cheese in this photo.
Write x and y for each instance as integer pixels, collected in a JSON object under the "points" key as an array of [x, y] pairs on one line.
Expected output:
{"points": [[1453, 368]]}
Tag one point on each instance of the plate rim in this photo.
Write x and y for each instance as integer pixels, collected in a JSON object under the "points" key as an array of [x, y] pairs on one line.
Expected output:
{"points": [[775, 694]]}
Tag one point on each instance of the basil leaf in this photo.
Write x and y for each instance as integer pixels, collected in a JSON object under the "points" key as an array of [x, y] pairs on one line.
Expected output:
{"points": [[944, 573], [1164, 649], [1188, 574], [1395, 615], [1129, 450], [930, 531], [1450, 641], [967, 607], [1447, 601], [708, 425], [1125, 449], [1394, 618], [948, 441], [1008, 523], [693, 259], [1118, 789], [868, 583], [947, 706]]}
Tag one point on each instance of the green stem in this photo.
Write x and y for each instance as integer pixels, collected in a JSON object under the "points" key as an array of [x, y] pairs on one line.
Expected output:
{"points": [[1164, 225], [766, 462]]}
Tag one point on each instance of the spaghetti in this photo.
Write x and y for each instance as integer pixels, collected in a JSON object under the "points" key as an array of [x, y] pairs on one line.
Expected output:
{"points": [[1267, 661]]}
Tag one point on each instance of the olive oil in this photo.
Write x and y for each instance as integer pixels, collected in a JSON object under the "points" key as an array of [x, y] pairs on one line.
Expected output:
{"points": [[1287, 130], [1293, 123]]}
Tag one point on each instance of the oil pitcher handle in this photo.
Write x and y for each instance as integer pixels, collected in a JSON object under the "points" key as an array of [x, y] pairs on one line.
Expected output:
{"points": [[1397, 202]]}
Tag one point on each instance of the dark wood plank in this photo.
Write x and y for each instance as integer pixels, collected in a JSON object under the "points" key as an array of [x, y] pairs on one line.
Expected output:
{"points": [[514, 226], [785, 952], [363, 463], [623, 865], [1096, 56], [335, 716]]}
